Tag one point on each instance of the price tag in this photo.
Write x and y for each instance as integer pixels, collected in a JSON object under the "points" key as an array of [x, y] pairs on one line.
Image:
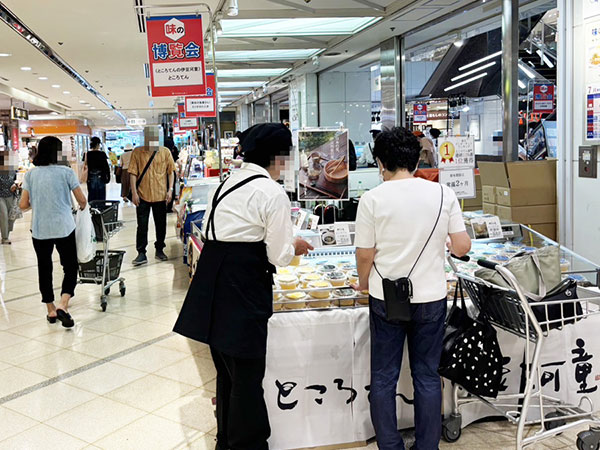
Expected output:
{"points": [[487, 228]]}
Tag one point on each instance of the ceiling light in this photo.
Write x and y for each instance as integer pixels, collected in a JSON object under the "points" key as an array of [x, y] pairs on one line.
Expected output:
{"points": [[4, 55], [313, 26], [244, 73], [459, 43], [522, 85], [479, 61], [266, 55], [92, 107], [462, 83], [82, 101], [66, 92], [56, 86], [466, 108], [42, 78], [232, 8], [25, 68], [218, 28], [471, 72], [526, 71], [54, 113], [545, 59]]}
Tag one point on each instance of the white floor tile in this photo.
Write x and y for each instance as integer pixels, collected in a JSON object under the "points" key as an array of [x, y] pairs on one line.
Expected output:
{"points": [[13, 423], [58, 363], [8, 339], [42, 437], [194, 410], [143, 331], [151, 359], [110, 322], [15, 379], [104, 346], [104, 378], [194, 370], [12, 319]]}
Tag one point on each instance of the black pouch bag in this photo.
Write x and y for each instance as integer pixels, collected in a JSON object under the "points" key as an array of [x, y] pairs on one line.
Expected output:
{"points": [[564, 314], [398, 293]]}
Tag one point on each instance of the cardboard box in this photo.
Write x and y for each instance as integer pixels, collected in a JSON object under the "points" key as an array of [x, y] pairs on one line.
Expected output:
{"points": [[489, 208], [521, 183], [547, 229], [478, 182], [489, 194], [476, 202], [527, 215]]}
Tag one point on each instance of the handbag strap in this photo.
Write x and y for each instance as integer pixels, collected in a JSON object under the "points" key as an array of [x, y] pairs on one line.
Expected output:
{"points": [[458, 287], [139, 180]]}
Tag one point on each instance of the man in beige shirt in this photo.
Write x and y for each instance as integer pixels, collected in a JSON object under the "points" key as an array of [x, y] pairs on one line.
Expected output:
{"points": [[154, 192]]}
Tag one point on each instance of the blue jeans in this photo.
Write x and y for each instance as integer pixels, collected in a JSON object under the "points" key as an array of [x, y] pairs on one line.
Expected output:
{"points": [[425, 334]]}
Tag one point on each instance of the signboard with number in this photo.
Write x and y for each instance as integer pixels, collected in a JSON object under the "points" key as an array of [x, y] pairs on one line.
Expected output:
{"points": [[203, 105], [456, 153], [543, 98], [420, 113], [176, 55], [461, 181]]}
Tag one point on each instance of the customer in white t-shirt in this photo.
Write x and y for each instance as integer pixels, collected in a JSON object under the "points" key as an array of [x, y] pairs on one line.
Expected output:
{"points": [[394, 232]]}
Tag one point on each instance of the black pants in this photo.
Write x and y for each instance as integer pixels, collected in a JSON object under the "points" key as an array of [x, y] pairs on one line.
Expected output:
{"points": [[159, 213], [96, 187], [242, 420], [68, 259]]}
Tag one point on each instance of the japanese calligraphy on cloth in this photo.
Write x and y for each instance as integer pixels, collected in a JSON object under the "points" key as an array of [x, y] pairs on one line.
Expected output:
{"points": [[176, 55]]}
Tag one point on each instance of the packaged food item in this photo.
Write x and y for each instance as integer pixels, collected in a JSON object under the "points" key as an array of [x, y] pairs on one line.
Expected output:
{"points": [[296, 260], [325, 294], [345, 296], [287, 281], [364, 300], [277, 306], [326, 268], [294, 300], [336, 278], [349, 267], [353, 277], [284, 271], [310, 277], [564, 265], [303, 270]]}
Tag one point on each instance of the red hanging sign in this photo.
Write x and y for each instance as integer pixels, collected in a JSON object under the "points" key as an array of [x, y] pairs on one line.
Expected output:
{"points": [[203, 105], [15, 139], [543, 98], [181, 111], [176, 55], [420, 113]]}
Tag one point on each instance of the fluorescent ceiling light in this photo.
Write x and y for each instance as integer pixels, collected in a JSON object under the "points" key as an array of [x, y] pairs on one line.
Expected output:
{"points": [[230, 93], [479, 61], [545, 59], [82, 101], [526, 71], [462, 83], [459, 43], [243, 73], [471, 72], [239, 84], [56, 86], [66, 92], [218, 28], [4, 55], [42, 78], [25, 68], [522, 85], [232, 8], [266, 55], [318, 26]]}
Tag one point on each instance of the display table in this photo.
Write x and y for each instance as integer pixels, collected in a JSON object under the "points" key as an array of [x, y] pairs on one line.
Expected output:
{"points": [[317, 379]]}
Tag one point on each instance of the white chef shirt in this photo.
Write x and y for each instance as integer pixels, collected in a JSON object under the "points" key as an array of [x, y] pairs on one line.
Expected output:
{"points": [[258, 211], [396, 219]]}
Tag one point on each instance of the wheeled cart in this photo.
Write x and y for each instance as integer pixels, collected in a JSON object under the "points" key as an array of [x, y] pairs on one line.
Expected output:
{"points": [[105, 268], [510, 310]]}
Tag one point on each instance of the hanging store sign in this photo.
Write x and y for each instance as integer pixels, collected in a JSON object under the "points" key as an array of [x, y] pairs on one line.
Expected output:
{"points": [[176, 55], [18, 113], [420, 113], [543, 98], [136, 122], [188, 123], [203, 105], [181, 111], [15, 139]]}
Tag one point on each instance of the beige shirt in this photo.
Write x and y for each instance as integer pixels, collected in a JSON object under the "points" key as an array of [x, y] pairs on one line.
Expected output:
{"points": [[126, 159], [153, 187]]}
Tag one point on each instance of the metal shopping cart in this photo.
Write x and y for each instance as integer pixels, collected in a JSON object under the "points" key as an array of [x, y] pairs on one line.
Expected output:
{"points": [[105, 268], [510, 310]]}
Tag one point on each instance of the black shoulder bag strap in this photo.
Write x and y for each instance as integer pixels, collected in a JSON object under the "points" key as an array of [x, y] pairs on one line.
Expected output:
{"points": [[141, 177], [210, 225], [428, 239]]}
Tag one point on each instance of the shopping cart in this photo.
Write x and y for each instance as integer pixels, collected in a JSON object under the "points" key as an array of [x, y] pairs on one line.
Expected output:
{"points": [[510, 310], [105, 268]]}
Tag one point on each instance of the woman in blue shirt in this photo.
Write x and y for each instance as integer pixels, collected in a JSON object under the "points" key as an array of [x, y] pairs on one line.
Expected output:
{"points": [[47, 191]]}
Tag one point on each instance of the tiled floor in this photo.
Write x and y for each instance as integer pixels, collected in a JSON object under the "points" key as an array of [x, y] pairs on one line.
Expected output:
{"points": [[120, 379]]}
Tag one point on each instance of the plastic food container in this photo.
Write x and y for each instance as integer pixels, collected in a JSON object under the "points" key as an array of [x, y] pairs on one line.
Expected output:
{"points": [[283, 271], [353, 277], [303, 270], [336, 278], [287, 281], [295, 297], [364, 301], [306, 279], [349, 267], [564, 265], [345, 296], [326, 268], [277, 306], [319, 284]]}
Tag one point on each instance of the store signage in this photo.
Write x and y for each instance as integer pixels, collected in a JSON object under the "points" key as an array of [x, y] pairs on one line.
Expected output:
{"points": [[593, 112], [175, 123], [437, 115], [188, 123], [420, 113], [15, 139], [487, 228], [461, 181], [203, 105], [176, 55], [136, 122], [181, 111], [543, 98], [18, 113], [456, 152]]}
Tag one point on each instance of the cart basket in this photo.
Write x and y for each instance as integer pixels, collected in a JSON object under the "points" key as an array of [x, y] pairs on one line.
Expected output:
{"points": [[109, 213], [93, 269]]}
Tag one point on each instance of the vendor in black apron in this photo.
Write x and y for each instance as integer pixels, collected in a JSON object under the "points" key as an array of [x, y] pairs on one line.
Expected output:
{"points": [[247, 230]]}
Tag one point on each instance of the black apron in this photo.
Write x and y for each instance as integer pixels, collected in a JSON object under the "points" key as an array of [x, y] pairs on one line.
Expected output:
{"points": [[230, 299]]}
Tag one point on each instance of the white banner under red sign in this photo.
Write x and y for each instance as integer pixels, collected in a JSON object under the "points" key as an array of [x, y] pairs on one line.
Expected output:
{"points": [[188, 123], [176, 55], [543, 98], [420, 113], [203, 105]]}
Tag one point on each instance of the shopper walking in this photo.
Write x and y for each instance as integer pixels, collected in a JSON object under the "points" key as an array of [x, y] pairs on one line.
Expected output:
{"points": [[248, 229], [47, 190], [401, 230], [97, 169], [8, 189], [124, 161], [151, 171]]}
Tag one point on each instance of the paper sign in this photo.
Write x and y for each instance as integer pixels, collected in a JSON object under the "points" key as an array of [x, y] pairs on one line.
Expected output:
{"points": [[456, 152], [342, 234], [487, 228], [313, 222], [176, 55], [461, 181], [203, 105], [188, 123]]}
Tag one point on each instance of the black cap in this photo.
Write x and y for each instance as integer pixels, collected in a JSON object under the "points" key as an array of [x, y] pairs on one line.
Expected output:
{"points": [[262, 142]]}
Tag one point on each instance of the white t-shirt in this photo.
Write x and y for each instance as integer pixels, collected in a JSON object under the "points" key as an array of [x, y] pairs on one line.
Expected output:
{"points": [[396, 219]]}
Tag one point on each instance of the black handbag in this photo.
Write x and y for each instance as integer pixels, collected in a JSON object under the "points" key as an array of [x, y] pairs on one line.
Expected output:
{"points": [[471, 355], [566, 290]]}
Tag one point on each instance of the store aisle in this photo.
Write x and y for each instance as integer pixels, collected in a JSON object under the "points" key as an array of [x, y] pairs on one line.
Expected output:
{"points": [[119, 379]]}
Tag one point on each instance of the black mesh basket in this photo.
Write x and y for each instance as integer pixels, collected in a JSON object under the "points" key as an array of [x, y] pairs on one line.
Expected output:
{"points": [[93, 269], [109, 211]]}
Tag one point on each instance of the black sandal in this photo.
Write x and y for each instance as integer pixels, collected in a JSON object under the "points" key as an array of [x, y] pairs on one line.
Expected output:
{"points": [[51, 319], [65, 318]]}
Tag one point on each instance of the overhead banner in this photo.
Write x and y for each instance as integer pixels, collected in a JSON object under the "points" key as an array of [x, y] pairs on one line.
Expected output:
{"points": [[543, 98], [176, 55], [203, 105], [420, 113]]}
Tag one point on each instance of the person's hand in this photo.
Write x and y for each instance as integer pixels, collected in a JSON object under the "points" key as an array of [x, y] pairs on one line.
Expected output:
{"points": [[135, 199], [13, 188], [169, 196], [358, 287], [302, 247]]}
